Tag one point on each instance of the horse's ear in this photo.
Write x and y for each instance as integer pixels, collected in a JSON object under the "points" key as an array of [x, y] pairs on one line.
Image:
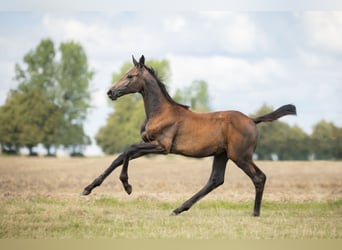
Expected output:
{"points": [[135, 61], [142, 61]]}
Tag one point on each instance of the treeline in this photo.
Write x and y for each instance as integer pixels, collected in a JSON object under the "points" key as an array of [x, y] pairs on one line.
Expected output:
{"points": [[51, 101], [280, 141]]}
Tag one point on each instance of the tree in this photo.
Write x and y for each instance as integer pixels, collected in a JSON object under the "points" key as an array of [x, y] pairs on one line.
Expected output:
{"points": [[265, 145], [72, 94], [40, 71], [326, 141], [279, 139], [294, 145], [9, 126], [196, 96], [123, 125], [73, 78], [32, 119], [52, 92], [337, 143], [53, 120]]}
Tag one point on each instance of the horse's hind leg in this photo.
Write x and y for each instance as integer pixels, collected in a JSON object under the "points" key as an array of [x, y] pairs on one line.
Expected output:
{"points": [[258, 178], [216, 179]]}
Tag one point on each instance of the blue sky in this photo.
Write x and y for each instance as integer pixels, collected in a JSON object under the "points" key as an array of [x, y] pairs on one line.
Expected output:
{"points": [[247, 58]]}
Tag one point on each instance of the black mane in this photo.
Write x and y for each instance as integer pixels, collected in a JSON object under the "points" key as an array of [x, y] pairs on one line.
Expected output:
{"points": [[163, 87]]}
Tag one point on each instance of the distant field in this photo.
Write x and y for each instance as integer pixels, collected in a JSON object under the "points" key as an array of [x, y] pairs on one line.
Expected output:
{"points": [[40, 199]]}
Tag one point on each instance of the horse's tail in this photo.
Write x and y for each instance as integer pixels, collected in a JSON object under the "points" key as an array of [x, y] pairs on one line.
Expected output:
{"points": [[288, 109]]}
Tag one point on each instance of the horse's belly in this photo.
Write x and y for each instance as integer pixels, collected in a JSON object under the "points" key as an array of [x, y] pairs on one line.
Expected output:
{"points": [[198, 146]]}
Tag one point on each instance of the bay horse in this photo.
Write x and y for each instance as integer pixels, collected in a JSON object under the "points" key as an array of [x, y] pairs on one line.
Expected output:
{"points": [[171, 127]]}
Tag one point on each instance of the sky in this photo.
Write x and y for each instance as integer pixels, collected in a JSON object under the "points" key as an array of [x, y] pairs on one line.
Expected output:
{"points": [[248, 58]]}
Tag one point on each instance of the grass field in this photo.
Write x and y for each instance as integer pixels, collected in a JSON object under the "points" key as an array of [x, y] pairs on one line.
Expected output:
{"points": [[40, 199]]}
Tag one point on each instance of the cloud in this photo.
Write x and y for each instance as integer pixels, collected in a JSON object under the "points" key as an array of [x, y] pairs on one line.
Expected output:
{"points": [[224, 72], [324, 30], [319, 62], [97, 38], [100, 38], [235, 31], [242, 35], [174, 24]]}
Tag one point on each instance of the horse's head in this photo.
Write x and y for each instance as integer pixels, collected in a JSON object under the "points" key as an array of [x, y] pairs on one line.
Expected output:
{"points": [[131, 82]]}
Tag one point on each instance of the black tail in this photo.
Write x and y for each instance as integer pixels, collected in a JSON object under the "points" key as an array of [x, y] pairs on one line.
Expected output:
{"points": [[288, 109]]}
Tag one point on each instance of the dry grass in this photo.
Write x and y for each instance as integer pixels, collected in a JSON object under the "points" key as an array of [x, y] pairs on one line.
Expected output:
{"points": [[168, 179], [40, 199]]}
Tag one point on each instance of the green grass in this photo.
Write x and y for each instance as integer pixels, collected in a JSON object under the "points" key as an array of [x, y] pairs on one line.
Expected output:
{"points": [[149, 219]]}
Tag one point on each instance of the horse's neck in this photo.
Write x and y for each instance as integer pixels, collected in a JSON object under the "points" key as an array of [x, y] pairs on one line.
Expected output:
{"points": [[154, 99]]}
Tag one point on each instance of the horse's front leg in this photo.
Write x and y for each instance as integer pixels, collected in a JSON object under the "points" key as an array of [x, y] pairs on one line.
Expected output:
{"points": [[124, 175], [98, 181], [133, 152]]}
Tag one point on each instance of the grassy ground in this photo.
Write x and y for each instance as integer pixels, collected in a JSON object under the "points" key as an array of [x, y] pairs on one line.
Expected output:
{"points": [[39, 198], [143, 219]]}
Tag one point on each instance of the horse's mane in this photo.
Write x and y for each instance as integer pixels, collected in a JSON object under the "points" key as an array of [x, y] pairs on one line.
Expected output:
{"points": [[163, 87]]}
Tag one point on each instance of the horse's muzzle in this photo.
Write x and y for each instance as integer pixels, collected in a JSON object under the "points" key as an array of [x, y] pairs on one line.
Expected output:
{"points": [[112, 95]]}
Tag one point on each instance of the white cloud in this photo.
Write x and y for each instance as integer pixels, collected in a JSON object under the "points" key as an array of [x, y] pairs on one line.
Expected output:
{"points": [[174, 23], [324, 29], [224, 72], [235, 31], [241, 35], [318, 61], [101, 39], [214, 15], [97, 38]]}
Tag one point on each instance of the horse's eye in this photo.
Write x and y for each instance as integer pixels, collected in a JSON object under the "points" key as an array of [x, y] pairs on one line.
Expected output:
{"points": [[129, 76]]}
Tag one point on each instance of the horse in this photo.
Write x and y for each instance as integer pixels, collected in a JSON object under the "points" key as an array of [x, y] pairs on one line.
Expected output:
{"points": [[171, 127]]}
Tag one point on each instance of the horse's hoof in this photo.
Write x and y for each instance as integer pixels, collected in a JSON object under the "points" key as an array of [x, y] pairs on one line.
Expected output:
{"points": [[128, 189], [85, 192], [255, 214], [174, 213]]}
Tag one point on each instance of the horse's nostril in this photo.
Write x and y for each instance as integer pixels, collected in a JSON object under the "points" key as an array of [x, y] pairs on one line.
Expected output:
{"points": [[112, 94]]}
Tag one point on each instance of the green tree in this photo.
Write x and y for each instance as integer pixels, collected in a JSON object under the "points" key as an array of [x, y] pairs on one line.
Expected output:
{"points": [[326, 141], [74, 77], [53, 120], [32, 117], [9, 126], [280, 139], [337, 143], [40, 71], [123, 125], [73, 96], [196, 96], [57, 91], [295, 145], [265, 147]]}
